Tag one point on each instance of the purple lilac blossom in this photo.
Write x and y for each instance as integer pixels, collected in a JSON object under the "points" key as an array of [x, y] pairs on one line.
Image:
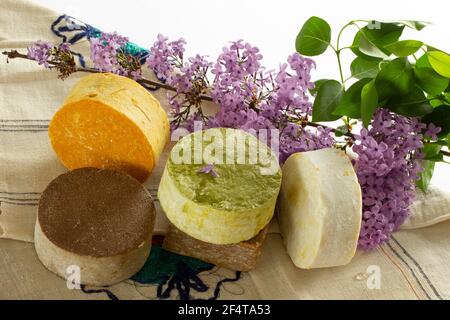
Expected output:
{"points": [[432, 131], [209, 169], [40, 51], [64, 47], [249, 97], [389, 162], [104, 51], [164, 55]]}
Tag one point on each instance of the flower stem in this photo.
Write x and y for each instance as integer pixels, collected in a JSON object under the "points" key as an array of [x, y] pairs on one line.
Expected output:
{"points": [[338, 52], [14, 54], [316, 125], [338, 55], [445, 153]]}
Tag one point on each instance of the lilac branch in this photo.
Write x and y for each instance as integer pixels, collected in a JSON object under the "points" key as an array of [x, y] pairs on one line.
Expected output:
{"points": [[147, 83], [14, 54]]}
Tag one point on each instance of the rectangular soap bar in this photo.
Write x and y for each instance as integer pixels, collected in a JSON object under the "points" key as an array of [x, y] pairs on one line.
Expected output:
{"points": [[240, 256]]}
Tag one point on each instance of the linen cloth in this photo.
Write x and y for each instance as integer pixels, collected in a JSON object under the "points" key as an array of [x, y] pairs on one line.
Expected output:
{"points": [[414, 265]]}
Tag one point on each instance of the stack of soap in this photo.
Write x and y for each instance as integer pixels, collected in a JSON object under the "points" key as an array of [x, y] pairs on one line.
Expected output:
{"points": [[226, 207], [109, 121], [320, 208], [100, 221]]}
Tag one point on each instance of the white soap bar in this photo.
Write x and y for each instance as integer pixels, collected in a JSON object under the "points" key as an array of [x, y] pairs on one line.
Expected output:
{"points": [[320, 208]]}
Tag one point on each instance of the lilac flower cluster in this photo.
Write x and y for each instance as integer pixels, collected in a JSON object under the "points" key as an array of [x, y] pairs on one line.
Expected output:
{"points": [[41, 52], [50, 56], [104, 51], [389, 161], [249, 97], [107, 55], [165, 56]]}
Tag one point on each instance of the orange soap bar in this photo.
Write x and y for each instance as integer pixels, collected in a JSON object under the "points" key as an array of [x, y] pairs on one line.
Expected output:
{"points": [[109, 121]]}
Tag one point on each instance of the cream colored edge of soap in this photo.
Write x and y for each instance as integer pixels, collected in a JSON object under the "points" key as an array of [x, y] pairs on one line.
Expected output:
{"points": [[337, 238], [209, 224], [95, 271]]}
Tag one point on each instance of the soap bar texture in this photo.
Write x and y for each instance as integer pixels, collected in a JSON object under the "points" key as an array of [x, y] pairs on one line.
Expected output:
{"points": [[320, 208], [240, 256], [109, 121], [231, 207], [98, 220]]}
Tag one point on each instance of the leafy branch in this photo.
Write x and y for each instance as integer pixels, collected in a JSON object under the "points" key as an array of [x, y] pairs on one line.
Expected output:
{"points": [[386, 73], [150, 84]]}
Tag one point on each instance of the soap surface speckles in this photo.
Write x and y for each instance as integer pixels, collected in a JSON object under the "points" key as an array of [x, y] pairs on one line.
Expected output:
{"points": [[228, 208], [96, 212], [99, 220], [109, 121], [320, 210]]}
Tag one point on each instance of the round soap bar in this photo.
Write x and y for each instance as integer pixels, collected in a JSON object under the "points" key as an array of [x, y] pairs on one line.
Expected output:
{"points": [[98, 220], [320, 208], [232, 202], [109, 121]]}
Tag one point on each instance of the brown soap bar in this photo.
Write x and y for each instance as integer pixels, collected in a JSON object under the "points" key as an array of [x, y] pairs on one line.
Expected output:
{"points": [[240, 256], [100, 220]]}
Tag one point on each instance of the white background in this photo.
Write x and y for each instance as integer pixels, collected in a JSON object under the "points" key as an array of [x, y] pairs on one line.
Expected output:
{"points": [[272, 25]]}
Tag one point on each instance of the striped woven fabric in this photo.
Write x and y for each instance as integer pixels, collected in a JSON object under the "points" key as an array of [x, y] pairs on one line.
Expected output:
{"points": [[414, 265]]}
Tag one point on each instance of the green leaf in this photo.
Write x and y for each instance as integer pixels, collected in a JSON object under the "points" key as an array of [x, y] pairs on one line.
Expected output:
{"points": [[362, 68], [404, 48], [327, 99], [395, 78], [423, 62], [414, 104], [413, 24], [426, 175], [443, 142], [372, 39], [441, 118], [440, 62], [431, 152], [430, 81], [369, 102], [355, 47], [368, 48], [340, 131], [350, 104], [430, 48], [317, 85], [314, 37], [437, 100]]}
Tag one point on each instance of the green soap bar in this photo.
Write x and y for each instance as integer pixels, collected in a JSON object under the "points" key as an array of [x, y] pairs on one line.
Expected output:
{"points": [[239, 197], [237, 187]]}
